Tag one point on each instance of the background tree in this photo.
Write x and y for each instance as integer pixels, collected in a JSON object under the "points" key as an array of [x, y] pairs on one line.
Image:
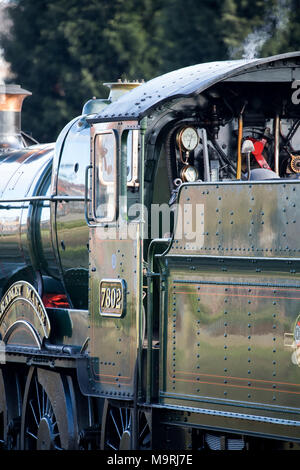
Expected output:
{"points": [[285, 35], [193, 33], [64, 50]]}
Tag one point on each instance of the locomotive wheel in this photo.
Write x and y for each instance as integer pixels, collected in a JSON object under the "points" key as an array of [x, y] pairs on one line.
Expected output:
{"points": [[49, 418], [10, 408], [144, 432], [117, 428]]}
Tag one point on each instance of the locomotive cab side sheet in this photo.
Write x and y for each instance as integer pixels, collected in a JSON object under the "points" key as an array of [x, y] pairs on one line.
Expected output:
{"points": [[115, 244], [231, 308]]}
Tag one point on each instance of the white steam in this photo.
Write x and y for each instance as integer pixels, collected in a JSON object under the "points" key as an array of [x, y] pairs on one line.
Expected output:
{"points": [[252, 45], [4, 28]]}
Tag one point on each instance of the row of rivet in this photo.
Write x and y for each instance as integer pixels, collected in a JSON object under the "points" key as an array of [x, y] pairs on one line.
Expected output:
{"points": [[226, 324]]}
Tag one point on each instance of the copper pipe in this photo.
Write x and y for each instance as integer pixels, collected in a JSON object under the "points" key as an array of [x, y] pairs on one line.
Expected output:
{"points": [[276, 145], [11, 99], [11, 102], [239, 156]]}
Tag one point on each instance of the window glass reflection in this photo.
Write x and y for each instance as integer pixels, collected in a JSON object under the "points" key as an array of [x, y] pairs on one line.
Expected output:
{"points": [[105, 176]]}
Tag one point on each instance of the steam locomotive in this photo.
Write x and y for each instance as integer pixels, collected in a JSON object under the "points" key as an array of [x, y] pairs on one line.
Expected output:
{"points": [[149, 265]]}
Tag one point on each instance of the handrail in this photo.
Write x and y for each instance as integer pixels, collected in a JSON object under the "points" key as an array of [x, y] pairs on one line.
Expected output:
{"points": [[86, 195], [150, 274]]}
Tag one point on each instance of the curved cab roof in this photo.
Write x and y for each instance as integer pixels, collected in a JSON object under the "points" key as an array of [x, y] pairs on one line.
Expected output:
{"points": [[193, 80]]}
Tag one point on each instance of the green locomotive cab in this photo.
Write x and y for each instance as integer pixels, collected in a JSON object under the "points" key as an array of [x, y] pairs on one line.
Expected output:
{"points": [[161, 237]]}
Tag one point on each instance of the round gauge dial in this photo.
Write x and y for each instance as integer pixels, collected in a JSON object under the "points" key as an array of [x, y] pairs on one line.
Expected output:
{"points": [[189, 174], [295, 163], [188, 138]]}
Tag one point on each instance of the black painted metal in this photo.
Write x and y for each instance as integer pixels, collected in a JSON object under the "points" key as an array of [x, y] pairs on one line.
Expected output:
{"points": [[247, 247], [184, 82]]}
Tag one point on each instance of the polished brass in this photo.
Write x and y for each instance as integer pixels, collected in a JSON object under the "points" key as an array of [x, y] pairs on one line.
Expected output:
{"points": [[239, 147], [295, 163], [184, 174], [12, 97], [193, 324], [11, 102], [117, 89]]}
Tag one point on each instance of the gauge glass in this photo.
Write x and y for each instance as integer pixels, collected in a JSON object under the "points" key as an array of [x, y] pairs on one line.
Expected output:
{"points": [[189, 138], [189, 173]]}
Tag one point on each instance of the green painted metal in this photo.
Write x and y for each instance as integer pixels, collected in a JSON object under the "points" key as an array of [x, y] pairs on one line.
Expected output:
{"points": [[256, 219], [229, 311], [201, 327], [115, 341]]}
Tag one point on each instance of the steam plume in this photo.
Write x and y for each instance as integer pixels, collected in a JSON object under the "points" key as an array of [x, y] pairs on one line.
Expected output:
{"points": [[275, 22]]}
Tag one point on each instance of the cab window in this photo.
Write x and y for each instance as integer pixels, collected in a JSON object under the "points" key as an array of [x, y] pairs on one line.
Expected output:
{"points": [[105, 185]]}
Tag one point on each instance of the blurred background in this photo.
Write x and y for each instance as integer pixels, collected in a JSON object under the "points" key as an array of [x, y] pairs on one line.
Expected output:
{"points": [[64, 50]]}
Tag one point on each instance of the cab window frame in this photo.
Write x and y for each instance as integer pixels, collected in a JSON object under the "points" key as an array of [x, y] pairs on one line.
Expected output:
{"points": [[100, 182]]}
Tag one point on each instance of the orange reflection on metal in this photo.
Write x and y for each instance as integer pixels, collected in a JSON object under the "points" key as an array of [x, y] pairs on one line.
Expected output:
{"points": [[11, 102]]}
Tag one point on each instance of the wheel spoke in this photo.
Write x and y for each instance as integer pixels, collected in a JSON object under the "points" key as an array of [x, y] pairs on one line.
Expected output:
{"points": [[111, 446], [43, 403], [31, 434], [147, 440], [44, 425], [58, 448], [121, 415], [33, 412], [127, 424], [116, 426], [143, 430], [38, 397]]}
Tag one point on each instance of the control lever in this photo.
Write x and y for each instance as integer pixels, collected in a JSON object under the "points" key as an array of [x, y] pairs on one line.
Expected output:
{"points": [[247, 148]]}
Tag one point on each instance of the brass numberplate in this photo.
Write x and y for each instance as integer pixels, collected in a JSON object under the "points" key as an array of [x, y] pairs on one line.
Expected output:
{"points": [[112, 297]]}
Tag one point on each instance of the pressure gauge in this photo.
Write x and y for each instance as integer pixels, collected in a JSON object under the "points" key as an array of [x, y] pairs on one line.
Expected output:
{"points": [[295, 163], [188, 139], [189, 174]]}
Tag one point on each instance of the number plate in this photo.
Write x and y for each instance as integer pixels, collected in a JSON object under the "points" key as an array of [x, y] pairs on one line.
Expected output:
{"points": [[112, 297]]}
